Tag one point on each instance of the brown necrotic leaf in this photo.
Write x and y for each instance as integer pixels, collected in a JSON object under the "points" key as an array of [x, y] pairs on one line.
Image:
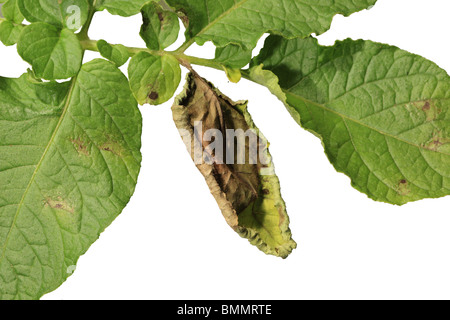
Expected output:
{"points": [[233, 157]]}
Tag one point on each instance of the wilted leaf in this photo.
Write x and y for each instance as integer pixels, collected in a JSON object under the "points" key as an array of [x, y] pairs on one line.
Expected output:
{"points": [[240, 175]]}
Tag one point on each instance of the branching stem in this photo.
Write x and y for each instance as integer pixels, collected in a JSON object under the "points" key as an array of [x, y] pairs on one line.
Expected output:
{"points": [[91, 45]]}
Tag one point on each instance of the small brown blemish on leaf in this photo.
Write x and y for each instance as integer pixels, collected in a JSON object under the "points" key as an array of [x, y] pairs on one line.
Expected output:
{"points": [[81, 146], [59, 204], [429, 108], [184, 18], [161, 17], [112, 146], [266, 191], [403, 187], [437, 141], [153, 95]]}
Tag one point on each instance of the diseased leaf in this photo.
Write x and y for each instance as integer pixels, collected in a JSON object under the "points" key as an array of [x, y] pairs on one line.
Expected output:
{"points": [[69, 160], [153, 79], [124, 8], [70, 14], [243, 22], [116, 53], [10, 32], [54, 53], [160, 28], [240, 177], [382, 113]]}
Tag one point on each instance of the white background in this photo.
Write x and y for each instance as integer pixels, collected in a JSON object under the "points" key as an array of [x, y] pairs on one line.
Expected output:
{"points": [[172, 242]]}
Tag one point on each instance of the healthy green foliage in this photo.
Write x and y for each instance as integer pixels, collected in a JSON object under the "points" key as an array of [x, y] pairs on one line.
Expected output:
{"points": [[12, 12], [124, 8], [116, 53], [54, 53], [243, 22], [9, 32], [70, 150], [60, 13], [233, 56]]}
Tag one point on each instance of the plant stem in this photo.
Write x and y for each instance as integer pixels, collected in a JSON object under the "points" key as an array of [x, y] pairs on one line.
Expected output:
{"points": [[83, 35], [185, 46], [164, 5], [91, 45]]}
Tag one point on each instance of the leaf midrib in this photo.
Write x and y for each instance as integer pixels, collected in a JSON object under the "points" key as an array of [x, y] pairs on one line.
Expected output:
{"points": [[41, 160], [345, 117]]}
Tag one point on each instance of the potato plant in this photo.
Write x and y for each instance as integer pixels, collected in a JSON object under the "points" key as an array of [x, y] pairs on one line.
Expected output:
{"points": [[70, 133]]}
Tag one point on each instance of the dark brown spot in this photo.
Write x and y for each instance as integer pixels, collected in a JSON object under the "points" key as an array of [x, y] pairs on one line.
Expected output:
{"points": [[403, 181], [266, 192], [185, 20], [81, 146], [427, 106], [161, 17], [153, 95]]}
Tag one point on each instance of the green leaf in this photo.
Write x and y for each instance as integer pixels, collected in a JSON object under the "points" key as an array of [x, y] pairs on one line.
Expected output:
{"points": [[382, 113], [53, 53], [234, 75], [268, 79], [10, 32], [160, 28], [153, 79], [70, 14], [11, 11], [247, 192], [69, 160], [233, 56], [116, 53], [124, 8], [243, 22]]}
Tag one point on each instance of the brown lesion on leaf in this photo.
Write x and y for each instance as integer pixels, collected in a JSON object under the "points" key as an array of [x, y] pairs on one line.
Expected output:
{"points": [[81, 146], [58, 203], [184, 18], [161, 19], [112, 146], [403, 187], [153, 95], [437, 141], [429, 107]]}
